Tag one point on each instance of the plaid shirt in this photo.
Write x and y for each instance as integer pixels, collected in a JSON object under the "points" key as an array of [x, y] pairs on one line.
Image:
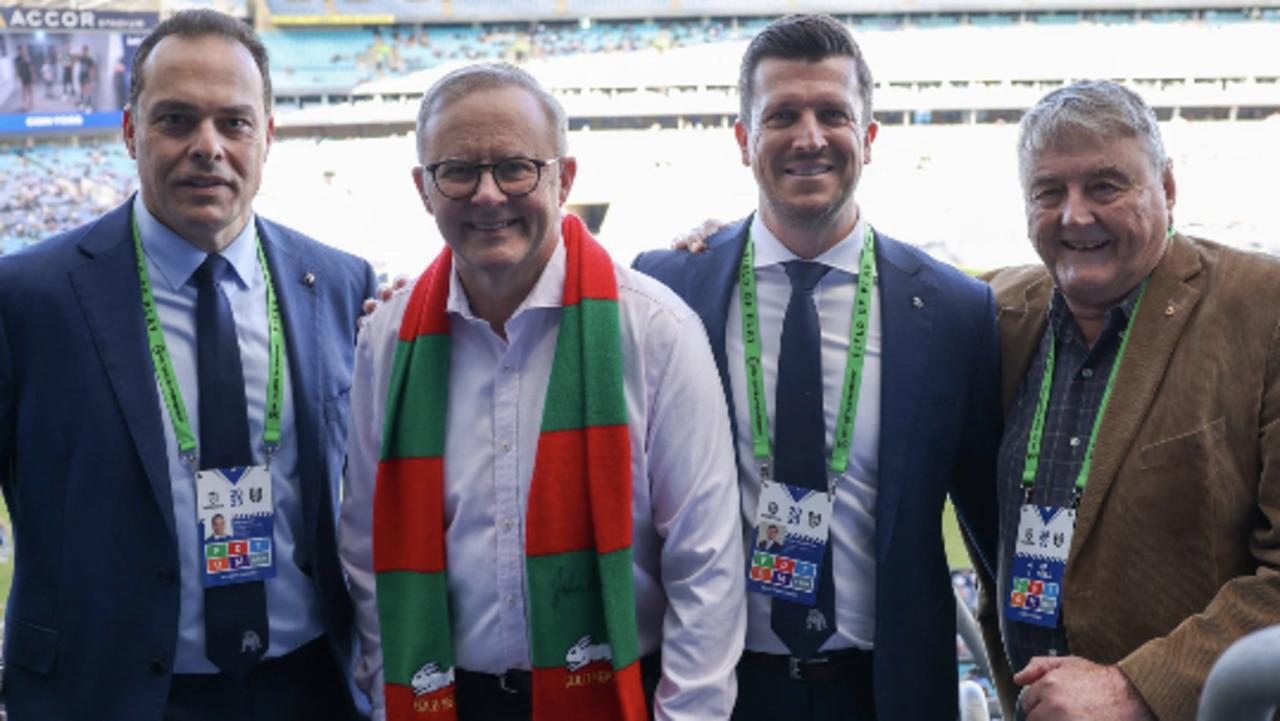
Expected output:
{"points": [[1079, 379]]}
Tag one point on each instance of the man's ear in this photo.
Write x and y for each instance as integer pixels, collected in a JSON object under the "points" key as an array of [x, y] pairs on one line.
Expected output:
{"points": [[568, 171], [271, 136], [866, 142], [743, 135], [420, 181], [1170, 188], [129, 126]]}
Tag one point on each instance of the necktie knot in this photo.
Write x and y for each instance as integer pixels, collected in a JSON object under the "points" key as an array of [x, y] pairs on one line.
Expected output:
{"points": [[211, 270], [805, 275]]}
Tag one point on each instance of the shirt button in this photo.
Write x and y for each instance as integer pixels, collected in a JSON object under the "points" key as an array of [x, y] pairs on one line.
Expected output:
{"points": [[167, 576], [511, 600], [1087, 372], [506, 525], [158, 666], [1075, 441], [506, 447], [506, 367]]}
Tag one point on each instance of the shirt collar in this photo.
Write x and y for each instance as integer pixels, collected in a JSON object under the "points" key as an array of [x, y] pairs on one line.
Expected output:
{"points": [[1062, 321], [176, 259], [844, 255], [548, 292]]}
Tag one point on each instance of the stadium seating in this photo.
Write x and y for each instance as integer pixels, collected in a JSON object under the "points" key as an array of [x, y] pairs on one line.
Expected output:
{"points": [[1231, 44], [325, 61], [47, 189]]}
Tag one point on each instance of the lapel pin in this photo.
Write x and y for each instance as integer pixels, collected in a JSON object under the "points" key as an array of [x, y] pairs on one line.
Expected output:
{"points": [[916, 302], [1168, 309], [309, 279]]}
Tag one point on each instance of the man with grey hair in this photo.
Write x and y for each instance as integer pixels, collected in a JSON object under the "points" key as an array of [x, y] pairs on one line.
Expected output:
{"points": [[1139, 474], [543, 414]]}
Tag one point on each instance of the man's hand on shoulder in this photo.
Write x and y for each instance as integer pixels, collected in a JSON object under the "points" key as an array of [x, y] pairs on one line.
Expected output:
{"points": [[384, 294], [694, 240], [1069, 688]]}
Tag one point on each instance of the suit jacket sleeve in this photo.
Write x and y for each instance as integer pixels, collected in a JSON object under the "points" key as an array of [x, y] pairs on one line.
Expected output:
{"points": [[988, 614], [1170, 671], [8, 403], [974, 487], [370, 283], [974, 492]]}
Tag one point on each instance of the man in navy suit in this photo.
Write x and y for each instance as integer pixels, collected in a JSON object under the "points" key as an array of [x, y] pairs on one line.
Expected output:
{"points": [[135, 349], [822, 294]]}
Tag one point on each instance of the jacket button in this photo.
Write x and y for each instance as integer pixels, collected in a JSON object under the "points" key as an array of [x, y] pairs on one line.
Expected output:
{"points": [[158, 666], [168, 577]]}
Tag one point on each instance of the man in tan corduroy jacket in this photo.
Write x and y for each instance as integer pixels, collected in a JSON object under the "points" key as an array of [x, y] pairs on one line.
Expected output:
{"points": [[1176, 546]]}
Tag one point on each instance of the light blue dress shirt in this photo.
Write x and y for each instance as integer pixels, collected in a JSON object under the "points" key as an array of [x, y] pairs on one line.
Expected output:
{"points": [[853, 537], [292, 606]]}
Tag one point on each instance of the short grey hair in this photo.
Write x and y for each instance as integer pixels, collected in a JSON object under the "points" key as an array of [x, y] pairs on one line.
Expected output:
{"points": [[1096, 107], [488, 76]]}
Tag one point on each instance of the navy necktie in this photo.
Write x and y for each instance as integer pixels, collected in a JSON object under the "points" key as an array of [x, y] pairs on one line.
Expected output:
{"points": [[800, 439], [235, 616]]}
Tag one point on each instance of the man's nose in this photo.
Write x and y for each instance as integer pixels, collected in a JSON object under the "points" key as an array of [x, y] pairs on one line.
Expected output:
{"points": [[206, 141], [810, 135], [487, 190], [1077, 209]]}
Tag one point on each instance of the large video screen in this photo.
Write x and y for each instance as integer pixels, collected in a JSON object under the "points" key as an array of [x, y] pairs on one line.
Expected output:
{"points": [[64, 69]]}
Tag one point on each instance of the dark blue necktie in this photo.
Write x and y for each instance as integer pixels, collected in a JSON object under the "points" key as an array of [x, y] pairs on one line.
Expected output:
{"points": [[235, 616], [800, 439]]}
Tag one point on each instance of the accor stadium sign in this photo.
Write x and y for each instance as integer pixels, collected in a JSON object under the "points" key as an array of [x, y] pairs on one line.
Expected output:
{"points": [[22, 19]]}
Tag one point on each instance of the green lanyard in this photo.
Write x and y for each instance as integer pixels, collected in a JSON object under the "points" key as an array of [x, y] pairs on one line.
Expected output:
{"points": [[858, 331], [168, 380], [1036, 435]]}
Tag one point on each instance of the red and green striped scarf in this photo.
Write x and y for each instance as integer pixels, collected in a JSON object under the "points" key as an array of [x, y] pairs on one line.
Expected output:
{"points": [[578, 545]]}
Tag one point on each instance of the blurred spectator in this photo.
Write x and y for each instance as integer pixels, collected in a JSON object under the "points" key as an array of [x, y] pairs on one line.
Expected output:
{"points": [[52, 189], [68, 74], [49, 72], [23, 70], [88, 79]]}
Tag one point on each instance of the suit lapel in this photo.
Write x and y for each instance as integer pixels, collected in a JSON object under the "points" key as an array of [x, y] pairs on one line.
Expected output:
{"points": [[709, 280], [1021, 325], [907, 307], [1166, 306], [110, 297], [300, 311]]}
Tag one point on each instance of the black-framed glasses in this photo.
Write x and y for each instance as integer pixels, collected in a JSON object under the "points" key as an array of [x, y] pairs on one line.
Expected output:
{"points": [[515, 177]]}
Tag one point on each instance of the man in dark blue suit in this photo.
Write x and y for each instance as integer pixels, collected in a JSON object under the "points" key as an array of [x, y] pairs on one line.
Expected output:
{"points": [[175, 358], [854, 618]]}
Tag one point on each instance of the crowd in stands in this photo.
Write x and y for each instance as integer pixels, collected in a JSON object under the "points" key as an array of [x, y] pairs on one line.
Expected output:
{"points": [[54, 188], [332, 57], [335, 60]]}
